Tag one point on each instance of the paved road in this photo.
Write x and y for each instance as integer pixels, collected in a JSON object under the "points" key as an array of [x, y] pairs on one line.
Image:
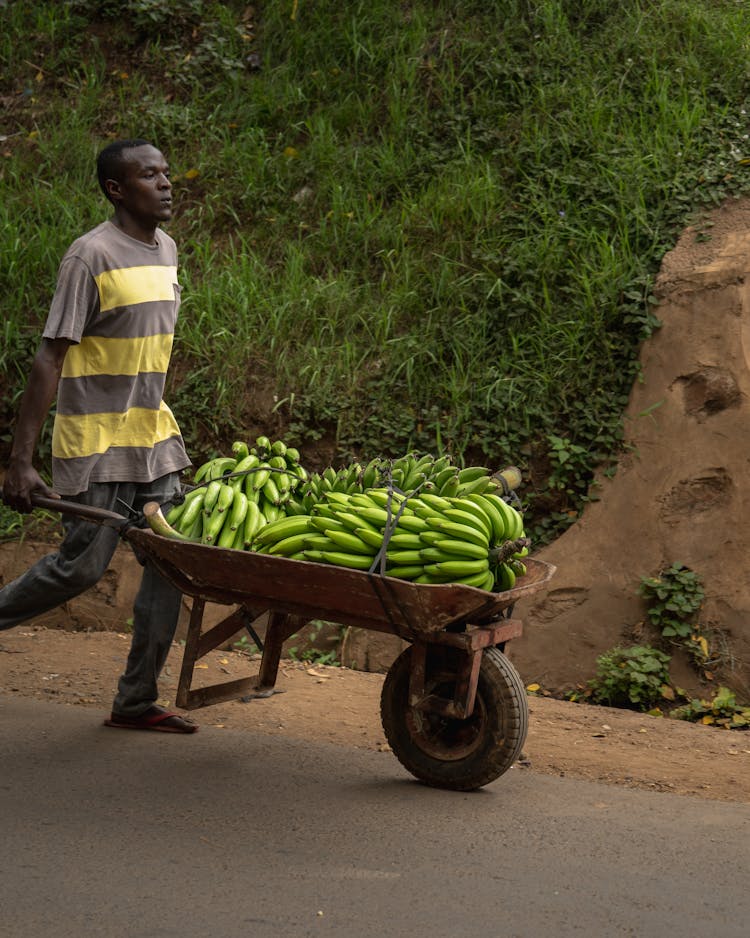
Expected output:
{"points": [[228, 833]]}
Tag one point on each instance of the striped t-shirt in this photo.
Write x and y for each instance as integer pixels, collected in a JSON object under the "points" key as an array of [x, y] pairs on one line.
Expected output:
{"points": [[117, 299]]}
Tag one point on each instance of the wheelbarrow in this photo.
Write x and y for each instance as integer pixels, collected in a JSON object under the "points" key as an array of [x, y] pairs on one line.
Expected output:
{"points": [[453, 707]]}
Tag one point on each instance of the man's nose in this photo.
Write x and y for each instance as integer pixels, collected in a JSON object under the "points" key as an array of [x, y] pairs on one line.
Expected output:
{"points": [[164, 182]]}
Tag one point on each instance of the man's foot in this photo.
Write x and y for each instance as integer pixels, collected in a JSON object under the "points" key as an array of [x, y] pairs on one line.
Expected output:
{"points": [[156, 719]]}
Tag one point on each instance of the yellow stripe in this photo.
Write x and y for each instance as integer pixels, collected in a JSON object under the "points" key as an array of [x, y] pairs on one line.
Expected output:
{"points": [[99, 356], [131, 285], [86, 434]]}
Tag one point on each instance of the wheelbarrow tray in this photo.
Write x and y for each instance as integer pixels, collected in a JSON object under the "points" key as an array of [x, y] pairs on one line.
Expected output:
{"points": [[333, 593]]}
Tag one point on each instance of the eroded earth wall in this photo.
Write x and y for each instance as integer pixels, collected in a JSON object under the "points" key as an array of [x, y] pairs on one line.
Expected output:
{"points": [[681, 492]]}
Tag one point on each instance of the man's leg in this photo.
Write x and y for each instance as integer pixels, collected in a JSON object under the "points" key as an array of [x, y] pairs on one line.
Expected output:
{"points": [[155, 614], [81, 561]]}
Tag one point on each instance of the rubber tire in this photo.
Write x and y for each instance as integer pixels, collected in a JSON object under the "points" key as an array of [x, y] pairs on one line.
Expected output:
{"points": [[502, 713]]}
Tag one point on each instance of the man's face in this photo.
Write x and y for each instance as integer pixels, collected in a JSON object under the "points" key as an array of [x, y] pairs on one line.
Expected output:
{"points": [[144, 191]]}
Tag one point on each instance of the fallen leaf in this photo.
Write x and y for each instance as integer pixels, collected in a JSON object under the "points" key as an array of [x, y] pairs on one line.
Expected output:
{"points": [[192, 174], [203, 667]]}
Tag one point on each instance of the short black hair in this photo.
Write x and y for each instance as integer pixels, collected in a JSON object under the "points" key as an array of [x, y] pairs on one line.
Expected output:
{"points": [[110, 162]]}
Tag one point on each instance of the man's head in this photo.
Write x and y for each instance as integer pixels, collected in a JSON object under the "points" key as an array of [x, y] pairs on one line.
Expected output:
{"points": [[134, 176]]}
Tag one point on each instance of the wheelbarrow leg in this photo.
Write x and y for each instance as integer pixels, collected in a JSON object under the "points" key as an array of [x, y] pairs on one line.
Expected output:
{"points": [[280, 627], [190, 655]]}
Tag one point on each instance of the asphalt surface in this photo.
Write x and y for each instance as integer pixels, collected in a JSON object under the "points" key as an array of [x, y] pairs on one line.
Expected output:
{"points": [[231, 833]]}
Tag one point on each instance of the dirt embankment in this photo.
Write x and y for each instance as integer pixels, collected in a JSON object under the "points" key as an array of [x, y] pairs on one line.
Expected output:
{"points": [[681, 492]]}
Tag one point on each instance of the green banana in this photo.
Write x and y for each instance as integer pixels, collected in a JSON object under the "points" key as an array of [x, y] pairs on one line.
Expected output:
{"points": [[457, 568], [381, 497], [513, 520], [252, 524], [505, 578], [201, 472], [472, 473], [403, 558], [220, 466], [462, 548], [248, 462], [404, 541], [442, 476], [322, 523], [406, 572], [261, 475], [350, 542], [497, 518], [370, 474], [237, 511], [262, 446], [213, 523], [470, 507], [318, 542], [411, 524], [369, 536], [431, 555], [271, 490], [175, 513], [278, 448], [240, 450], [376, 516], [483, 581], [436, 502], [284, 528], [270, 511], [211, 496], [468, 518], [342, 559], [449, 488], [290, 545], [461, 532]]}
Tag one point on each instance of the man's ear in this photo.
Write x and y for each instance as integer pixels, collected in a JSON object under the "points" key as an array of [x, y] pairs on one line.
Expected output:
{"points": [[113, 189]]}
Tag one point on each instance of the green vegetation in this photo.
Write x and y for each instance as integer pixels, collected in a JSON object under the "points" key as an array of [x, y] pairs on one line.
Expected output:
{"points": [[723, 710], [428, 225], [674, 598], [635, 677]]}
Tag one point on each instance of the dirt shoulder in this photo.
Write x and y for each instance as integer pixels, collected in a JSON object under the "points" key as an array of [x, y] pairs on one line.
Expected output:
{"points": [[342, 706]]}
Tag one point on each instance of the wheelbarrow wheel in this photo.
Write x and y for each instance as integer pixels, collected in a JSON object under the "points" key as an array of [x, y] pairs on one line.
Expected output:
{"points": [[446, 752]]}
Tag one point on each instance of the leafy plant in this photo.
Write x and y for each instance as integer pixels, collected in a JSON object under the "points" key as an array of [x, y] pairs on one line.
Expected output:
{"points": [[722, 710], [635, 677], [674, 597]]}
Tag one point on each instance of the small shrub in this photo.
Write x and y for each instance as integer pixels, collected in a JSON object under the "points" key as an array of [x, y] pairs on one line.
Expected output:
{"points": [[723, 710], [635, 678], [674, 598]]}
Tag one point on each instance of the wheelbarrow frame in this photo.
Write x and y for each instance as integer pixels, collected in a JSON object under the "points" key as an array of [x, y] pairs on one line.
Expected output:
{"points": [[295, 592]]}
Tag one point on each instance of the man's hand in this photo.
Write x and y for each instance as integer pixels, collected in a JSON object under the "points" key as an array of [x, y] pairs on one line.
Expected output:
{"points": [[22, 479], [20, 483]]}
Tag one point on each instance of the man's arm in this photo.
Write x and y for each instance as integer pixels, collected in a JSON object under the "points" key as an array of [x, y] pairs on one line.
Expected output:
{"points": [[22, 478]]}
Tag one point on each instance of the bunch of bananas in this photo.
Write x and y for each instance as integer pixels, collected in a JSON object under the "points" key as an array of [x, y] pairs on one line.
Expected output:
{"points": [[406, 474], [475, 539], [235, 496]]}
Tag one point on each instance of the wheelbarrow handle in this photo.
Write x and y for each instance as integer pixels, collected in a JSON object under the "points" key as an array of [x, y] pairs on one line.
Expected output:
{"points": [[86, 512]]}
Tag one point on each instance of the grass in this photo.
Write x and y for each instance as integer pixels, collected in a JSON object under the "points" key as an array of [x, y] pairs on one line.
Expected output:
{"points": [[428, 225]]}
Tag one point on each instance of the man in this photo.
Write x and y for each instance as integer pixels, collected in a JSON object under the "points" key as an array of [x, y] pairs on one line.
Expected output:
{"points": [[104, 354]]}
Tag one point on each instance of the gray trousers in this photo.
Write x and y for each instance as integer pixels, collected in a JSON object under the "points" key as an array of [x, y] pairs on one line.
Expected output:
{"points": [[81, 561]]}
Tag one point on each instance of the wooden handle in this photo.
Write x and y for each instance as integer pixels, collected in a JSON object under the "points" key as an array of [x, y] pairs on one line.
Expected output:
{"points": [[87, 512]]}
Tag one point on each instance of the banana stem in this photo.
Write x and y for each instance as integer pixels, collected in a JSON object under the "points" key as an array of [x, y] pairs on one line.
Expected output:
{"points": [[159, 524]]}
